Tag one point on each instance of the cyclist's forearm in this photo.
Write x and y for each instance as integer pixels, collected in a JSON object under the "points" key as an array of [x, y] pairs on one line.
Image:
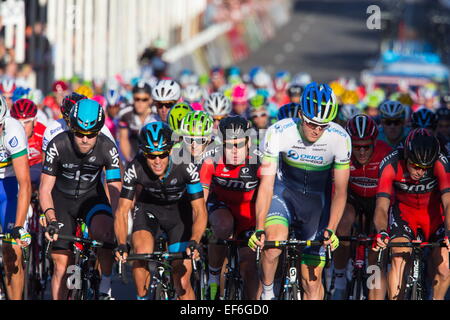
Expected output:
{"points": [[446, 205], [262, 206], [121, 221], [337, 208], [381, 214], [23, 203], [200, 219]]}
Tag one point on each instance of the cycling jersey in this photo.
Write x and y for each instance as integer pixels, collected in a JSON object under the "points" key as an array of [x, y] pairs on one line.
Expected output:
{"points": [[364, 178], [382, 137], [35, 144], [77, 174], [418, 202], [233, 187], [179, 180], [302, 193], [13, 144], [56, 127]]}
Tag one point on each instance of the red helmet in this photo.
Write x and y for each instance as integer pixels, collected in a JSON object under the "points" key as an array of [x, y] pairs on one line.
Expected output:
{"points": [[362, 127], [59, 86], [23, 109]]}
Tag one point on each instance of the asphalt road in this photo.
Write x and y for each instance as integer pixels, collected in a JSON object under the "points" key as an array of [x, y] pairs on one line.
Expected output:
{"points": [[326, 38]]}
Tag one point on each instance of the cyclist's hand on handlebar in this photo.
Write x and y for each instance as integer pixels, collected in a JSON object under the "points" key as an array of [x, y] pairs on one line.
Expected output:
{"points": [[21, 236], [193, 248], [121, 253], [381, 240], [51, 232], [330, 239], [43, 220], [257, 240]]}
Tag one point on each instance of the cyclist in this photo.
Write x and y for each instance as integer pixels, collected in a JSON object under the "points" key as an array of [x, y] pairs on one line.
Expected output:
{"points": [[418, 178], [312, 149], [14, 175], [259, 116], [295, 93], [198, 143], [218, 81], [176, 115], [219, 107], [71, 189], [346, 112], [171, 199], [133, 118], [290, 110], [393, 130], [25, 111], [367, 154], [239, 99], [165, 95], [194, 95], [55, 127]]}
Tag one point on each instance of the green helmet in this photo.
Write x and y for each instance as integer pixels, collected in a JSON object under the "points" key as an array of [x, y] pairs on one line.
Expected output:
{"points": [[197, 123], [257, 101], [176, 114]]}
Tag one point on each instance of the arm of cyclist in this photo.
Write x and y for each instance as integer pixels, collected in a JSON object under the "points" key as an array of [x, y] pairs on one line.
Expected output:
{"points": [[442, 172], [338, 202], [199, 221], [125, 145], [446, 205], [22, 171], [263, 201], [381, 222], [46, 202], [121, 228]]}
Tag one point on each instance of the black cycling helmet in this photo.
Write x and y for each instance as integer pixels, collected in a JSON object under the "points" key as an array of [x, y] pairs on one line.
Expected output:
{"points": [[424, 118], [142, 87], [443, 114], [68, 102], [234, 128], [422, 148], [295, 90]]}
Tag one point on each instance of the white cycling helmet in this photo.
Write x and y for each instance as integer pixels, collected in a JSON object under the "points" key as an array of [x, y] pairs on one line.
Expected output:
{"points": [[302, 79], [166, 90], [262, 79], [3, 109], [217, 105], [192, 93], [392, 110], [347, 112]]}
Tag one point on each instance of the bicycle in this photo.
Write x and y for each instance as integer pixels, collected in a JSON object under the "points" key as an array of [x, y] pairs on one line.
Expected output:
{"points": [[161, 285], [415, 288], [3, 291], [87, 278], [291, 287]]}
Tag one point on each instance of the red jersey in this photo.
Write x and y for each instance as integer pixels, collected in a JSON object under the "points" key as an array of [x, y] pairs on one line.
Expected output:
{"points": [[35, 144], [419, 202], [236, 187], [364, 178]]}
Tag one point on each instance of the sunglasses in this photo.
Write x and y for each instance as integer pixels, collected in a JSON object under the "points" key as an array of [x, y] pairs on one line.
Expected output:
{"points": [[259, 115], [392, 122], [152, 156], [239, 145], [416, 166], [81, 134], [141, 100], [24, 122], [314, 126], [197, 140], [365, 147], [164, 105]]}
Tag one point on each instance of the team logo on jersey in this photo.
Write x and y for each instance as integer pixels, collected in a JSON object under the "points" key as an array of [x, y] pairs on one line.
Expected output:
{"points": [[174, 182], [293, 154], [13, 142], [115, 157], [130, 174], [52, 152], [192, 170], [92, 159]]}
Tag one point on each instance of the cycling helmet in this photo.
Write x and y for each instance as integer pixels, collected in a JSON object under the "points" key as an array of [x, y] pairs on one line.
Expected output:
{"points": [[405, 99], [319, 103], [85, 91], [392, 110], [36, 96], [68, 103], [338, 88], [3, 109], [234, 128], [21, 93], [113, 97], [23, 109], [166, 90], [155, 137], [192, 93], [239, 94], [257, 101], [234, 71], [8, 86], [59, 86], [261, 79], [87, 116], [421, 147], [289, 110], [294, 90], [348, 111], [197, 123], [443, 114], [142, 87], [445, 99], [176, 114], [424, 118], [302, 79], [217, 105], [362, 127], [187, 77], [349, 97]]}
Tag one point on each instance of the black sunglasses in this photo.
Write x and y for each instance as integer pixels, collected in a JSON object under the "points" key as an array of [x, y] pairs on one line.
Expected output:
{"points": [[154, 156], [164, 105], [368, 147], [392, 122], [141, 100], [235, 145], [81, 135]]}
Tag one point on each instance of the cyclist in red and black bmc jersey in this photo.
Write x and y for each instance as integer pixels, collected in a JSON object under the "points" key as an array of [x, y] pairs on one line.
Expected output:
{"points": [[232, 182], [367, 154], [420, 176], [25, 111]]}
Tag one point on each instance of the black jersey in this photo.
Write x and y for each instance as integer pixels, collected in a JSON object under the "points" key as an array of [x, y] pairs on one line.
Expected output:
{"points": [[180, 180], [76, 173]]}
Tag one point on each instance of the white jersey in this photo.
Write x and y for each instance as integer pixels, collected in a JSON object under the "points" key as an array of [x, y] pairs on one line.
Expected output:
{"points": [[304, 165], [13, 144], [55, 127]]}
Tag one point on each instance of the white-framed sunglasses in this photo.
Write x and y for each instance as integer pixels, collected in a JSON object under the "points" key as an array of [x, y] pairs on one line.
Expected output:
{"points": [[197, 140]]}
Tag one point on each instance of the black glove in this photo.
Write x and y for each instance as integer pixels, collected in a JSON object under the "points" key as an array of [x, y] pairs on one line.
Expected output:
{"points": [[121, 249], [52, 228], [16, 232], [194, 245]]}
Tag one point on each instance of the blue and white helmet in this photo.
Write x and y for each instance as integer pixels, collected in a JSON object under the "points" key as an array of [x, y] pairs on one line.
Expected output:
{"points": [[155, 137], [319, 104]]}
